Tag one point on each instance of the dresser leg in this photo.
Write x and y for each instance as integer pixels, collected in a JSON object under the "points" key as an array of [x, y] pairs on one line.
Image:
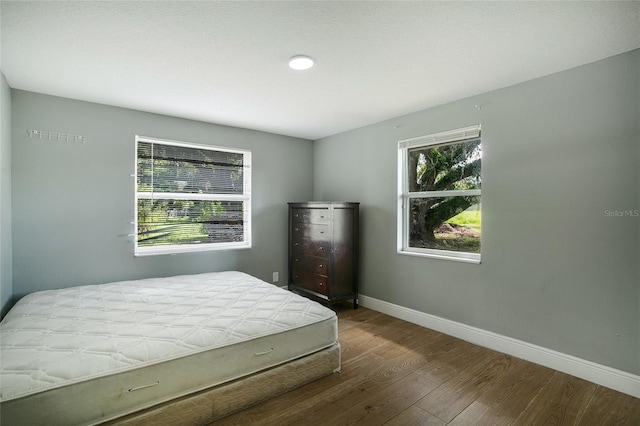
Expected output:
{"points": [[355, 303]]}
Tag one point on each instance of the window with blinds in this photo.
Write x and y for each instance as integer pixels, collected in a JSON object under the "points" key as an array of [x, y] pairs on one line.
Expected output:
{"points": [[439, 195], [191, 197]]}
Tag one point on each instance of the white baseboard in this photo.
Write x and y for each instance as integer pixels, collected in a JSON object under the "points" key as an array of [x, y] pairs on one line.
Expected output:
{"points": [[600, 374]]}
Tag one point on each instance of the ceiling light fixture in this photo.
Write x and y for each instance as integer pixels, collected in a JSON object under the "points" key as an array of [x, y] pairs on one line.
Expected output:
{"points": [[300, 62]]}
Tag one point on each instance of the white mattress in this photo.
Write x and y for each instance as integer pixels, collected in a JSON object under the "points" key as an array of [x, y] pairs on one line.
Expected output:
{"points": [[87, 354]]}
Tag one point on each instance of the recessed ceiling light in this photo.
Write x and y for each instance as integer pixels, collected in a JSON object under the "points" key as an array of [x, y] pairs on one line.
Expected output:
{"points": [[300, 63]]}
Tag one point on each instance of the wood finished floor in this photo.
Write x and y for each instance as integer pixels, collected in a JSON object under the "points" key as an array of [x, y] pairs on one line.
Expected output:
{"points": [[398, 373]]}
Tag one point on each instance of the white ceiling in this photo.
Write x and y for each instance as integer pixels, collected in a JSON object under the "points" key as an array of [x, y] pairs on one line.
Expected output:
{"points": [[226, 62]]}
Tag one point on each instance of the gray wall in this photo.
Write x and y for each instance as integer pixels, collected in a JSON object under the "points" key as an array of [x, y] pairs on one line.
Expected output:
{"points": [[561, 154], [73, 203], [6, 286]]}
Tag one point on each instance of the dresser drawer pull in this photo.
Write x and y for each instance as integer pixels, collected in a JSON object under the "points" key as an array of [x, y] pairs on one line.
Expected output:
{"points": [[263, 353], [320, 284], [320, 265]]}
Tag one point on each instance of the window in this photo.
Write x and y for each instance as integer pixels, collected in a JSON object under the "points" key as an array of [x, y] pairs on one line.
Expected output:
{"points": [[439, 184], [191, 197]]}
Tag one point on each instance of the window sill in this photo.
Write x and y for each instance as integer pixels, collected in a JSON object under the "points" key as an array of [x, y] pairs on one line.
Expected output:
{"points": [[469, 258], [154, 251]]}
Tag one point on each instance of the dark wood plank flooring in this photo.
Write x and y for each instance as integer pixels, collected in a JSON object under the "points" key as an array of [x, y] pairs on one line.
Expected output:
{"points": [[398, 373]]}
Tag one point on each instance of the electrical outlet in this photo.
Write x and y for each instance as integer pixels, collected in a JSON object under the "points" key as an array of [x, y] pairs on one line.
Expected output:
{"points": [[276, 277]]}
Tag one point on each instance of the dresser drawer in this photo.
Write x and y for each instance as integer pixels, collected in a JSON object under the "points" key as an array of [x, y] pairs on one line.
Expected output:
{"points": [[310, 215], [307, 247], [310, 281], [304, 231], [317, 265]]}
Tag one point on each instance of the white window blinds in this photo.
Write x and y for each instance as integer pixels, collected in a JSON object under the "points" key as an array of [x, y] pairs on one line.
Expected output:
{"points": [[191, 197]]}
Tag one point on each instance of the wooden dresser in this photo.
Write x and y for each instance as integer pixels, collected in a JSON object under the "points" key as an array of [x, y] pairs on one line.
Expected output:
{"points": [[323, 250]]}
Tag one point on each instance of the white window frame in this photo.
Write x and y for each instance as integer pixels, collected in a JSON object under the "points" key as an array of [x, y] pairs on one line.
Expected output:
{"points": [[404, 195], [186, 248]]}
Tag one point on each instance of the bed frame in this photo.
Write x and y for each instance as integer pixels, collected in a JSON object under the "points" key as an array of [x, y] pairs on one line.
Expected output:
{"points": [[220, 401]]}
